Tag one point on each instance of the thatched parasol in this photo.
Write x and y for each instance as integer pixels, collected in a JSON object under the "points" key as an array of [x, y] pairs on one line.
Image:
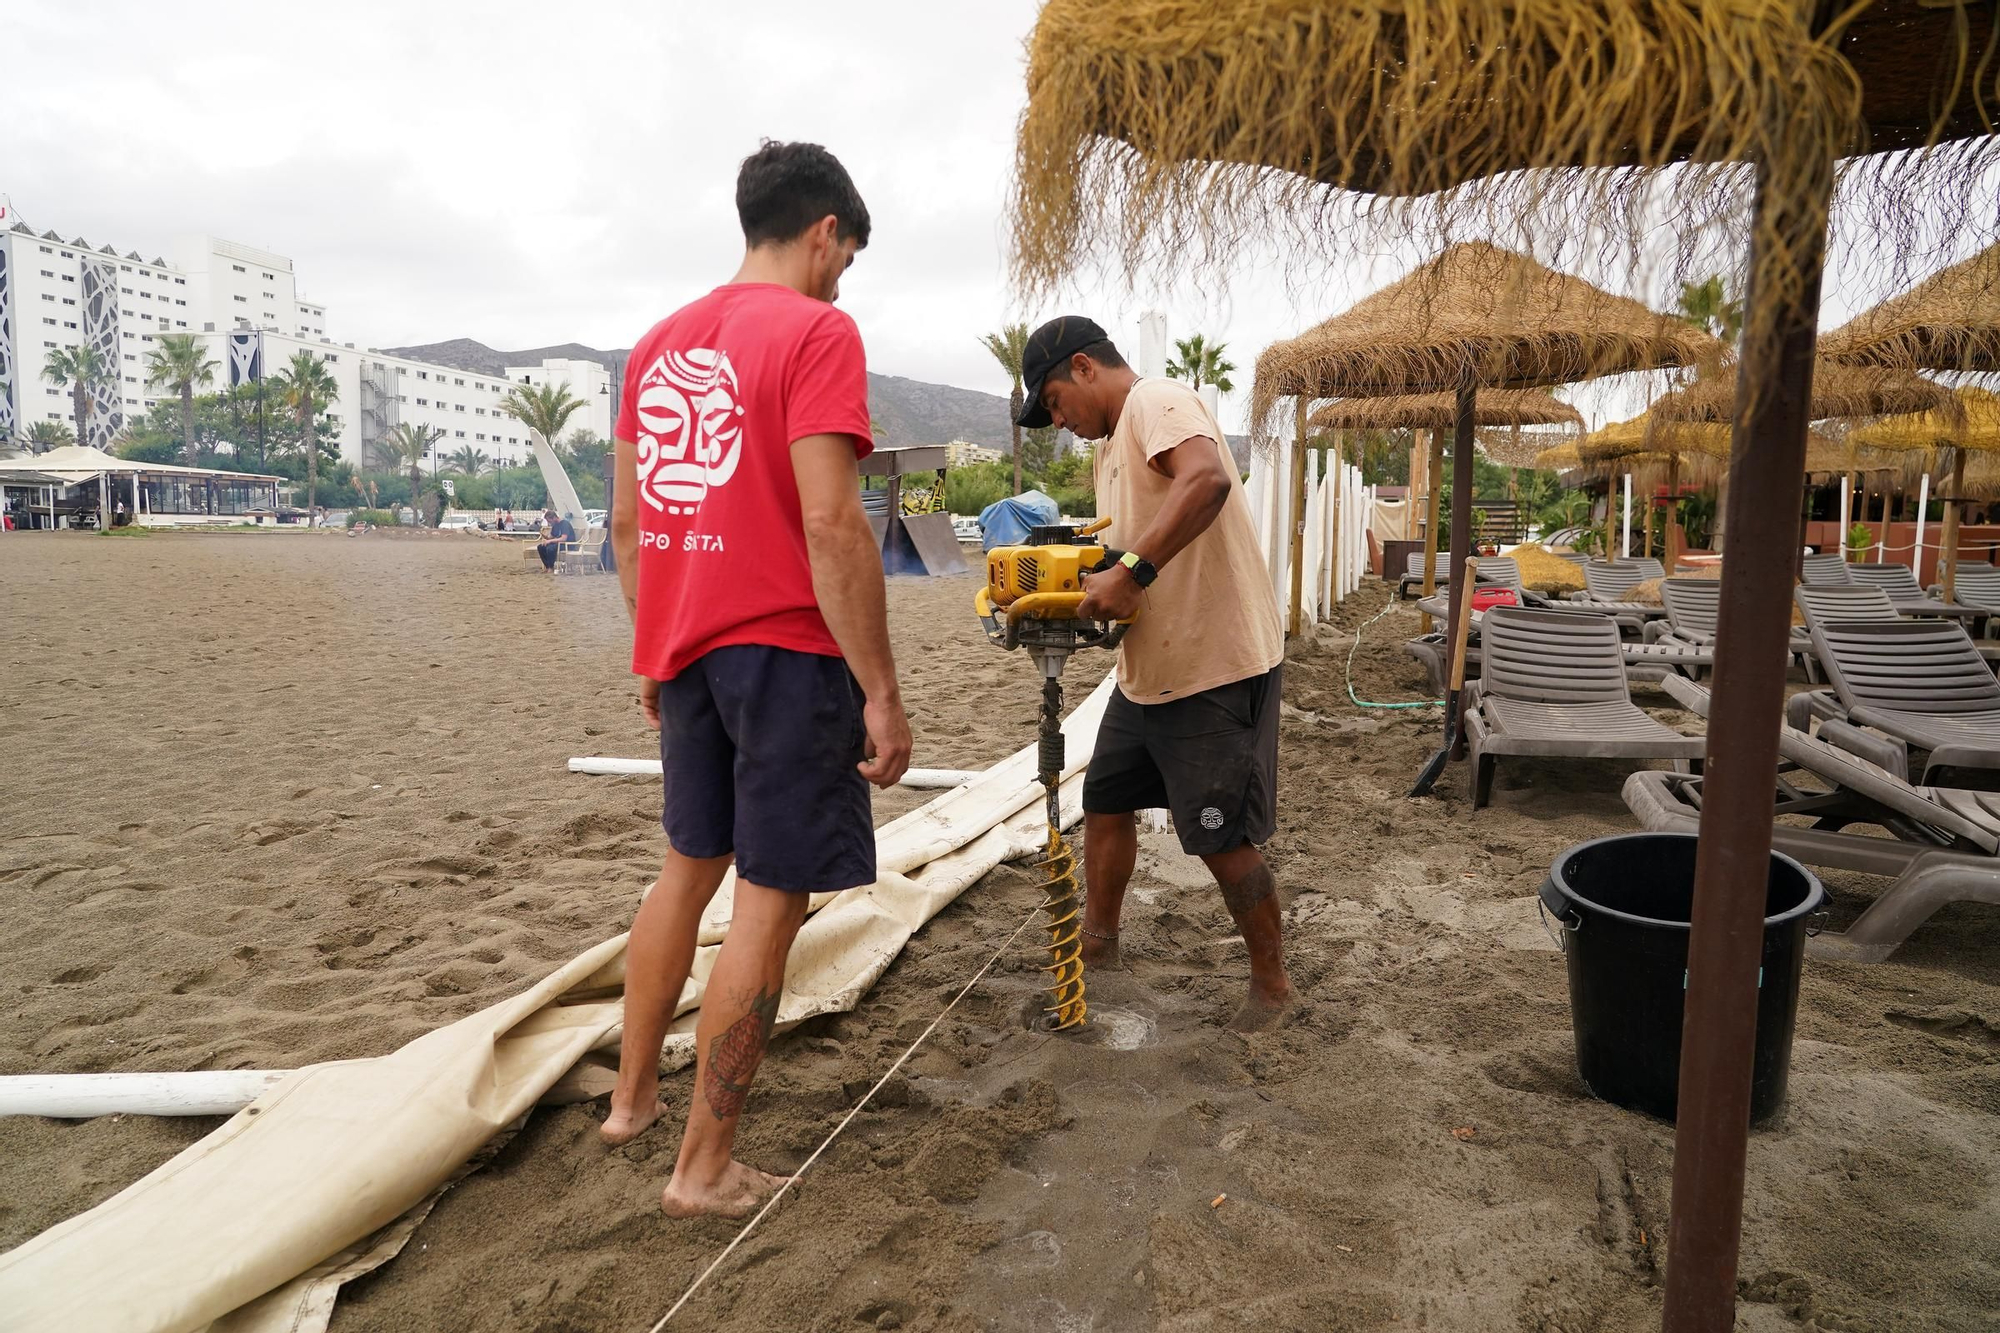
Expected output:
{"points": [[1837, 391], [1562, 458], [1949, 321], [1187, 131], [1969, 423], [1473, 317], [1439, 411], [1521, 446], [1475, 314]]}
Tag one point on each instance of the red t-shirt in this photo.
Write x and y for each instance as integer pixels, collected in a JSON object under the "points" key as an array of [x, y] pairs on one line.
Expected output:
{"points": [[715, 395]]}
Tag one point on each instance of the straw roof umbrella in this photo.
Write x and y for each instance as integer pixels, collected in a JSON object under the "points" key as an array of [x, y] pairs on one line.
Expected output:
{"points": [[1949, 321], [1474, 317], [1561, 458], [1969, 423], [1185, 132], [1437, 412], [1837, 391], [1519, 447]]}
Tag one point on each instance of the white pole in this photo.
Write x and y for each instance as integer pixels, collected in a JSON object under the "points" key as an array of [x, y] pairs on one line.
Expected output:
{"points": [[104, 503], [917, 779], [1625, 540], [1923, 503], [1846, 508], [82, 1096]]}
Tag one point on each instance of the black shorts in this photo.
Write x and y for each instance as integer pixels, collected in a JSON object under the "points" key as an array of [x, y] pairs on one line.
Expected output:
{"points": [[760, 748], [1210, 758]]}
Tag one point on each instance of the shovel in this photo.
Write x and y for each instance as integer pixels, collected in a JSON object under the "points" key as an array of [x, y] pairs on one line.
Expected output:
{"points": [[1432, 770]]}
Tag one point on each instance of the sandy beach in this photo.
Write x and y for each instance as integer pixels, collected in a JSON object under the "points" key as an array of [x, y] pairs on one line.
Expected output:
{"points": [[282, 798]]}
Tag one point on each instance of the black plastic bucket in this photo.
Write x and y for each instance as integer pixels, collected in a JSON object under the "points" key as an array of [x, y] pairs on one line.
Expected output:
{"points": [[1623, 905]]}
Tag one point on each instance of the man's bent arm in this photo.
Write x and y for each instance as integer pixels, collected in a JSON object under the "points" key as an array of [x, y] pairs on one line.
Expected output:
{"points": [[846, 564], [625, 521], [1200, 489]]}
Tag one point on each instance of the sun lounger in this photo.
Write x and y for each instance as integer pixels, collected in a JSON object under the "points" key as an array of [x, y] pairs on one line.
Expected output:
{"points": [[1976, 586], [1647, 661], [1944, 843], [1827, 570], [1606, 584], [1907, 597], [1554, 684], [1845, 604], [1694, 607], [1922, 682], [1413, 573]]}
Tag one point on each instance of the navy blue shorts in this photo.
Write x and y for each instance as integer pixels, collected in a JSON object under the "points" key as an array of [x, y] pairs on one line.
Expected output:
{"points": [[1210, 758], [761, 748]]}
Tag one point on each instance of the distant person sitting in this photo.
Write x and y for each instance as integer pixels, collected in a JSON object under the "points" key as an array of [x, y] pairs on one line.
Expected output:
{"points": [[560, 530]]}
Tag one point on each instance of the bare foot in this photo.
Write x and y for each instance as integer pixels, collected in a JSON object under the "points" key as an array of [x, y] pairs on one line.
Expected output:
{"points": [[1101, 953], [1262, 1010], [622, 1126], [740, 1192]]}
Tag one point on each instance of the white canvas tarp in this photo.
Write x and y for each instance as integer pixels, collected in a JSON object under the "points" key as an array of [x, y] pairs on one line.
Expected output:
{"points": [[305, 1187]]}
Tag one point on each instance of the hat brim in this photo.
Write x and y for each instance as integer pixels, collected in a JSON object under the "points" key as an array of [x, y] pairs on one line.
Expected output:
{"points": [[1034, 416]]}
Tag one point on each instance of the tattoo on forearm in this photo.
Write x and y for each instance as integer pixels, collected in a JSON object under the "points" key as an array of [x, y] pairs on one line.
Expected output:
{"points": [[733, 1057], [1249, 889]]}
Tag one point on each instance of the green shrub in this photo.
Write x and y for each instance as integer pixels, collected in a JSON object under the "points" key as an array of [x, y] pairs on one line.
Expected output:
{"points": [[381, 518]]}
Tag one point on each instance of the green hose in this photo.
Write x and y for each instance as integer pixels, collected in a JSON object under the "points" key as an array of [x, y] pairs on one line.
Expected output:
{"points": [[1366, 703]]}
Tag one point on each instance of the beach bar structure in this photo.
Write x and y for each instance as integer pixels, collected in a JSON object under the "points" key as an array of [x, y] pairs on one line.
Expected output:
{"points": [[76, 484], [910, 543], [1173, 141]]}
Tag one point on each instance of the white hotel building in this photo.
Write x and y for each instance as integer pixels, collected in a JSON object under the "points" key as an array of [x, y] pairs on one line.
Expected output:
{"points": [[245, 304]]}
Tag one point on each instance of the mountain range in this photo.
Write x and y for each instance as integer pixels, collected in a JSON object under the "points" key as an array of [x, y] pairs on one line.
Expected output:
{"points": [[908, 411]]}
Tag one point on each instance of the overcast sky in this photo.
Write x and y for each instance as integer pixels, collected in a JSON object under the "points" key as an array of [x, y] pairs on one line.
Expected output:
{"points": [[534, 174]]}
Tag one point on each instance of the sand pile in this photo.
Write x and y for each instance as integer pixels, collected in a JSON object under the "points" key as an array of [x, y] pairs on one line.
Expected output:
{"points": [[278, 798], [1545, 573]]}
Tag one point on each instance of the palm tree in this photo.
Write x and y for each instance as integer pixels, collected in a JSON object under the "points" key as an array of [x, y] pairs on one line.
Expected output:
{"points": [[46, 435], [542, 407], [1708, 306], [1201, 364], [1009, 346], [410, 444], [179, 362], [470, 462], [305, 386], [80, 370]]}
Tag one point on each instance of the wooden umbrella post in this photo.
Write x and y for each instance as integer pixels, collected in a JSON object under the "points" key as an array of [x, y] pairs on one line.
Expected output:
{"points": [[1652, 503], [1733, 860], [1673, 512], [1461, 509], [1433, 473], [1298, 513], [1949, 576]]}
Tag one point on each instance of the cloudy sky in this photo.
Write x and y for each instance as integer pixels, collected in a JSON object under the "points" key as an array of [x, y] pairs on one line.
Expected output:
{"points": [[533, 174]]}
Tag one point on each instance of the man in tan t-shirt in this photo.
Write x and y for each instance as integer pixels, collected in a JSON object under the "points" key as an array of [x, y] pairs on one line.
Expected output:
{"points": [[1193, 726]]}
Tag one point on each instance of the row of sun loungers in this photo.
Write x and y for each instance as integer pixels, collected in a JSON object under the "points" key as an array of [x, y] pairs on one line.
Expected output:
{"points": [[1943, 844], [1904, 693]]}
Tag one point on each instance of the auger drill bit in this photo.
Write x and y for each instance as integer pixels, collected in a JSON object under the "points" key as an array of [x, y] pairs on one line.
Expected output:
{"points": [[1066, 1006]]}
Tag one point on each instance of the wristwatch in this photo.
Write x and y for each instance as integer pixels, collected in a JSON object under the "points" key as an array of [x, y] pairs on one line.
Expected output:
{"points": [[1142, 569]]}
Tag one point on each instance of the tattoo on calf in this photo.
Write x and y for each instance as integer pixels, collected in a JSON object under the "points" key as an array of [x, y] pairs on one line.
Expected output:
{"points": [[1249, 889], [733, 1057]]}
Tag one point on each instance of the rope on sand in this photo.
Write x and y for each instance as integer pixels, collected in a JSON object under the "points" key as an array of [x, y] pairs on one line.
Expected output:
{"points": [[1356, 647], [1033, 915]]}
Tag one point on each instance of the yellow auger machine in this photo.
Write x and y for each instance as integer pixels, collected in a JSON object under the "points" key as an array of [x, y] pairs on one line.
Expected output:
{"points": [[1030, 601]]}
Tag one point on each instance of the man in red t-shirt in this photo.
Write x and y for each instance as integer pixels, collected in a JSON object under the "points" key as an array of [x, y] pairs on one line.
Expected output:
{"points": [[760, 637]]}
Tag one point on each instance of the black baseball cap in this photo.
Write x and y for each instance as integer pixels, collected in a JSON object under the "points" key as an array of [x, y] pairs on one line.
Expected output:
{"points": [[1050, 346]]}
